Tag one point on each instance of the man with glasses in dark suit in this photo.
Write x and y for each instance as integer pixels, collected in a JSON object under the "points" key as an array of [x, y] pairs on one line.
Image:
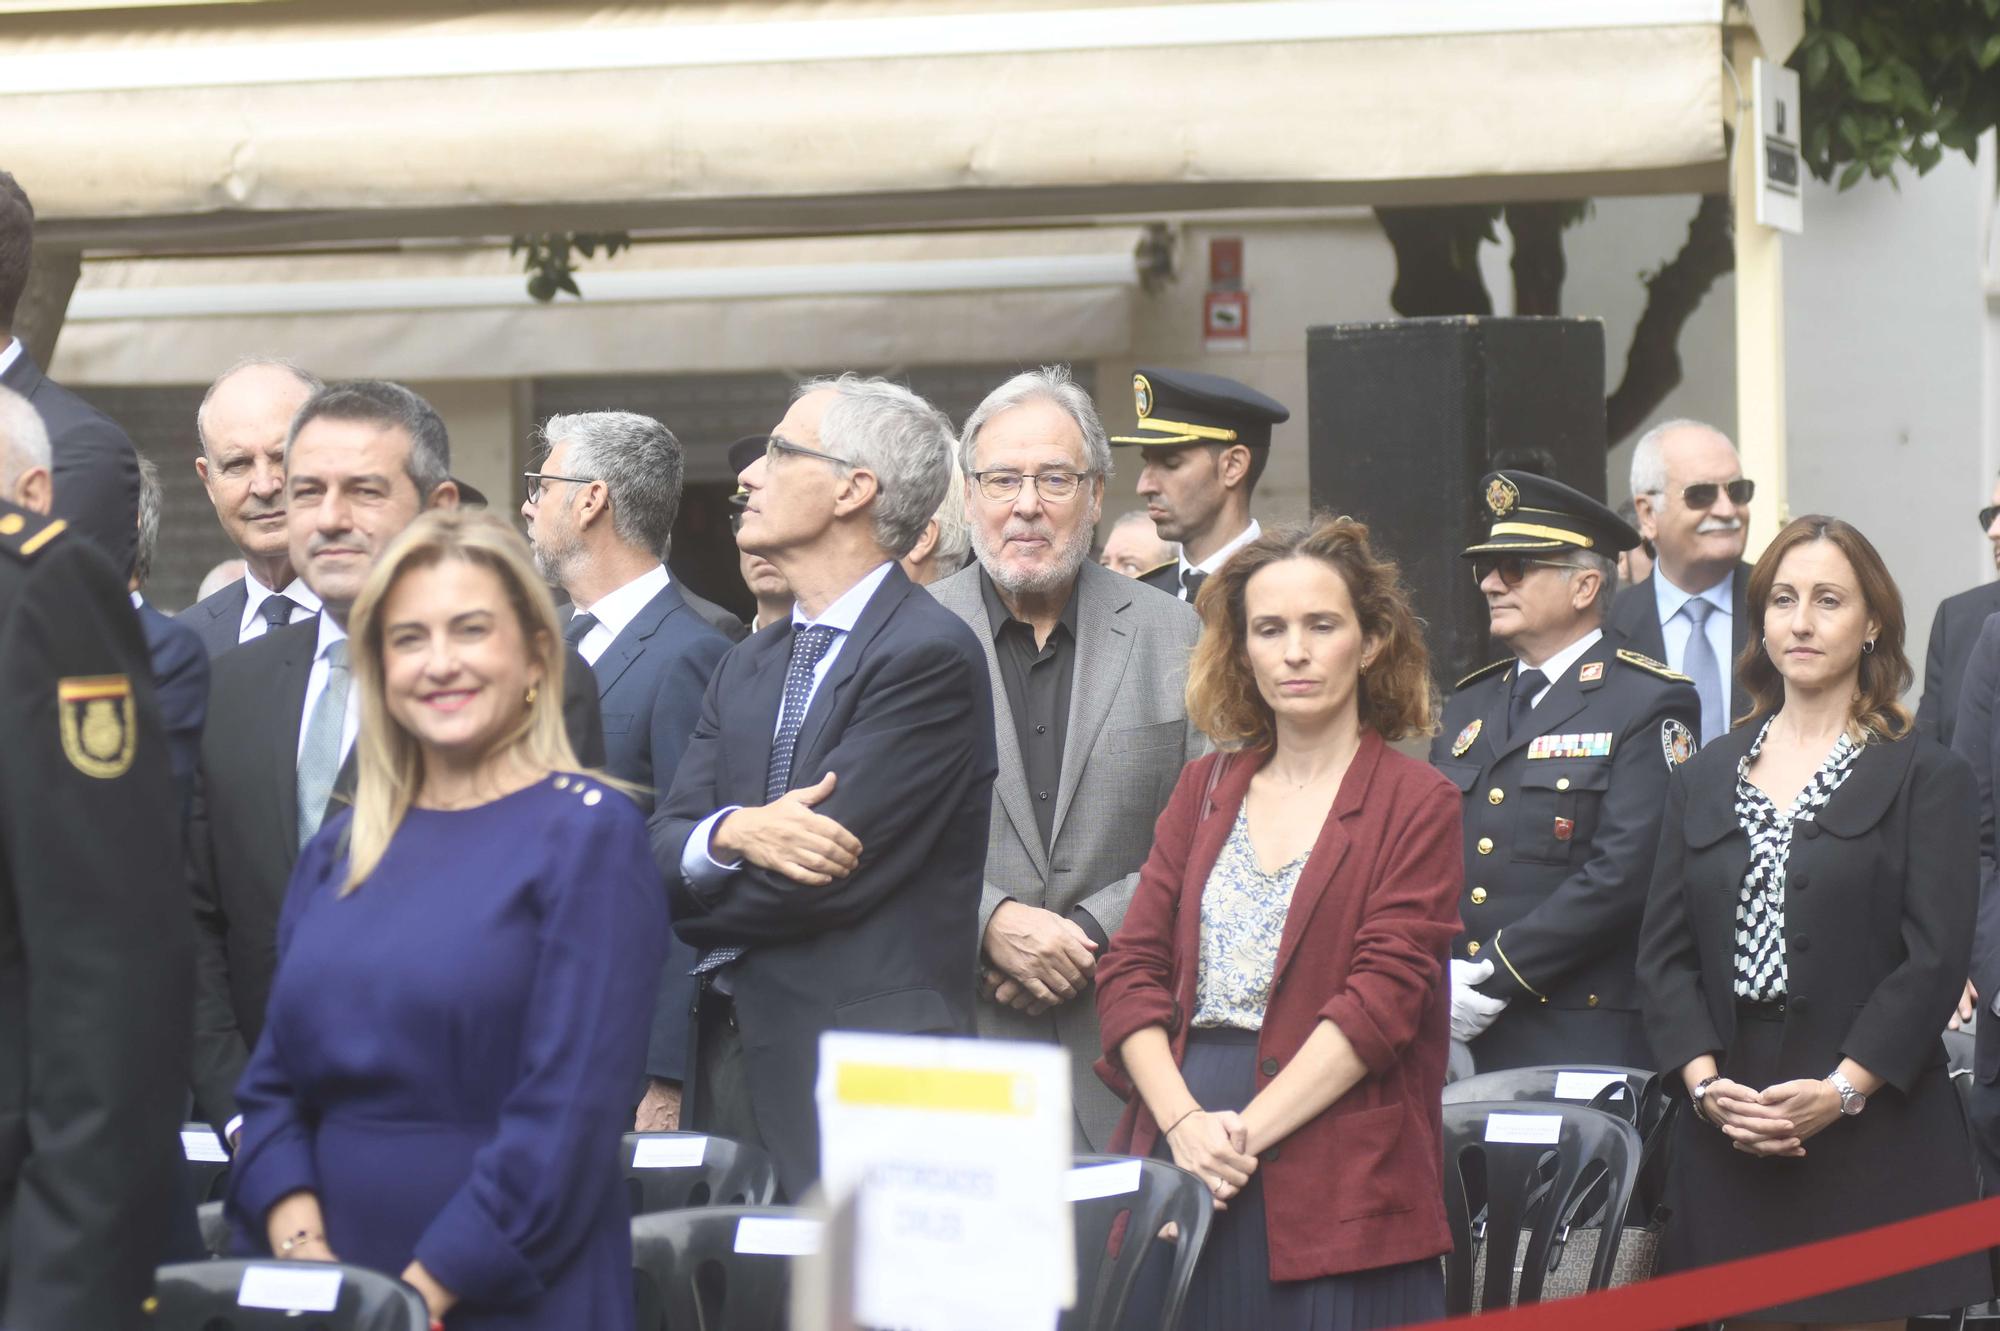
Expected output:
{"points": [[1954, 630]]}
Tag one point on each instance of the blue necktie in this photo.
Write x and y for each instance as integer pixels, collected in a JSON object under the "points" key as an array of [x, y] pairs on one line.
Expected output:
{"points": [[277, 612], [1698, 663], [808, 646]]}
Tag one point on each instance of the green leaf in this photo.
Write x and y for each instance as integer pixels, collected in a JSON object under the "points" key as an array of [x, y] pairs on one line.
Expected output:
{"points": [[1817, 61], [1850, 130], [1991, 53], [1875, 88], [1848, 178], [1849, 55], [567, 281]]}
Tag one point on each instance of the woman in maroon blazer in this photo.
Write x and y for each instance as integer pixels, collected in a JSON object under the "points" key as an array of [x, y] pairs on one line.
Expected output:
{"points": [[1275, 996]]}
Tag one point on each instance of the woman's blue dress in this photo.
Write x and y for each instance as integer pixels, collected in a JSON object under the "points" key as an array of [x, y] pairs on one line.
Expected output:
{"points": [[450, 1053]]}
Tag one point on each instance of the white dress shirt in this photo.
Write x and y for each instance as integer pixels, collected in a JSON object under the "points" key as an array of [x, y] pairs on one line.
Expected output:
{"points": [[614, 610], [1558, 665], [10, 353], [304, 605], [697, 865], [1214, 562], [329, 634], [1676, 628]]}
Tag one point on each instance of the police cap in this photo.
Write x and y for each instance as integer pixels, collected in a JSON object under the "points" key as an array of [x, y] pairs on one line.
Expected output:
{"points": [[1180, 407], [1529, 512]]}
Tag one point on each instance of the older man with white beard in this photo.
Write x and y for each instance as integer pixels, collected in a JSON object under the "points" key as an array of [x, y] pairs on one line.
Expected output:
{"points": [[1089, 670]]}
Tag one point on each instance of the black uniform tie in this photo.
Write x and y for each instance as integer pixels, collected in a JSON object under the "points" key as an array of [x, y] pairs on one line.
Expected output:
{"points": [[1526, 685], [1192, 579]]}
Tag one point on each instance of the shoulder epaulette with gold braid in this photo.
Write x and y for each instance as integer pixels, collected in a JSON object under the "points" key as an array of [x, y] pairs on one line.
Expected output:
{"points": [[1483, 672], [1648, 664], [24, 534]]}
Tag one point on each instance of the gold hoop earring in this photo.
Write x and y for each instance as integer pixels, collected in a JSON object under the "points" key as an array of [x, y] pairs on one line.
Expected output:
{"points": [[531, 695]]}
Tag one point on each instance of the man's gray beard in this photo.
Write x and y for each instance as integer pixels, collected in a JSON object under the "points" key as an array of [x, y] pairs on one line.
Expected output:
{"points": [[554, 560], [1057, 575]]}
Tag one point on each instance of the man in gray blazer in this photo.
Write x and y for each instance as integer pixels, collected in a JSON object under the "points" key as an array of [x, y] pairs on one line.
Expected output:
{"points": [[1089, 670]]}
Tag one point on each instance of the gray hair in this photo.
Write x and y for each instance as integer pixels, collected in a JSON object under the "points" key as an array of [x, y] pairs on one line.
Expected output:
{"points": [[954, 539], [386, 405], [906, 442], [1649, 463], [1133, 519], [151, 499], [639, 461], [1606, 569], [1051, 383], [24, 439], [307, 380]]}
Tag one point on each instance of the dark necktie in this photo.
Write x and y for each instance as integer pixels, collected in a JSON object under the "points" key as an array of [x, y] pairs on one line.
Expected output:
{"points": [[808, 646], [1192, 578], [1526, 685], [578, 628], [277, 612], [1698, 663]]}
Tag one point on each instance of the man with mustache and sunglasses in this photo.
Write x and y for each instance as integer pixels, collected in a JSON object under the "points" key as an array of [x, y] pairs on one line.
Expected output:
{"points": [[1693, 503], [1954, 630], [1562, 751]]}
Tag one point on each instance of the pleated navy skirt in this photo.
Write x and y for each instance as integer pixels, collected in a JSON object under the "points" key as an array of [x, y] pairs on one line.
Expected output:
{"points": [[1233, 1289]]}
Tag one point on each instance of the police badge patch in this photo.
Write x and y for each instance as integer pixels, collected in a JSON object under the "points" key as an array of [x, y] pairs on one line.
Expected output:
{"points": [[1142, 396], [1677, 741], [100, 734], [1501, 496], [1465, 738]]}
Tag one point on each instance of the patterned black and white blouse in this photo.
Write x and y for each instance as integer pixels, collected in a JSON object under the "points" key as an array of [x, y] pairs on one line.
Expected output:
{"points": [[1760, 906]]}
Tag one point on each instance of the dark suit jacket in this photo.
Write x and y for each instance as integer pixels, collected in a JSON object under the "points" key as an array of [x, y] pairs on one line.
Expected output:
{"points": [[180, 680], [905, 717], [96, 467], [243, 837], [728, 625], [1363, 946], [218, 617], [1881, 893], [1635, 616], [1976, 738], [1954, 629], [649, 686]]}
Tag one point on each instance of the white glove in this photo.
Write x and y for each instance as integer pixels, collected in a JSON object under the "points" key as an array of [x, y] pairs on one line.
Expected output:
{"points": [[1471, 1011]]}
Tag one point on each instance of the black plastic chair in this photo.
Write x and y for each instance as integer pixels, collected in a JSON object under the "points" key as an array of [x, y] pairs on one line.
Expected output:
{"points": [[207, 1179], [214, 1228], [1538, 1189], [688, 1276], [731, 1173], [1104, 1278], [1629, 1098], [202, 1296]]}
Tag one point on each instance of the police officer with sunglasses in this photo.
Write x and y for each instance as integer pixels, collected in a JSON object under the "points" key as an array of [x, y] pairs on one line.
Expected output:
{"points": [[1562, 751]]}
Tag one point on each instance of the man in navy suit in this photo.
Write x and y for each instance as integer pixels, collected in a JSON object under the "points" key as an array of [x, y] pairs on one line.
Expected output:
{"points": [[1954, 629], [599, 512], [827, 829], [96, 468]]}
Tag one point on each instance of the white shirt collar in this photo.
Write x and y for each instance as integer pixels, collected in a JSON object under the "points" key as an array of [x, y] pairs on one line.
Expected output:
{"points": [[10, 353], [615, 609], [138, 601], [256, 593], [1558, 665], [845, 613], [330, 632], [1670, 598], [1215, 561]]}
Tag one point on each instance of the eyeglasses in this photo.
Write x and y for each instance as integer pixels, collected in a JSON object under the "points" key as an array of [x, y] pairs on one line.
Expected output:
{"points": [[535, 480], [776, 445], [1511, 568], [1986, 516], [1055, 487], [1702, 496]]}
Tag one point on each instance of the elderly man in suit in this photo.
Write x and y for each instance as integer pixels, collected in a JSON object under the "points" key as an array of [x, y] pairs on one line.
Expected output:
{"points": [[599, 511], [1088, 672], [362, 460], [242, 424], [1954, 630], [828, 821], [96, 468], [1693, 503]]}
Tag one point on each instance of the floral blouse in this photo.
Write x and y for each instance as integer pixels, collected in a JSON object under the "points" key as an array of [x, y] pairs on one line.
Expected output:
{"points": [[1243, 913]]}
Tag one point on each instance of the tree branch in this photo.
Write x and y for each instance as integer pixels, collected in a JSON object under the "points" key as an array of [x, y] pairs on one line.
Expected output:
{"points": [[1437, 264], [1653, 362], [1539, 265]]}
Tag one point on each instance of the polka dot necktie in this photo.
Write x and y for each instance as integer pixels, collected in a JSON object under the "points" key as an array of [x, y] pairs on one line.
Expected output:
{"points": [[277, 612], [808, 646]]}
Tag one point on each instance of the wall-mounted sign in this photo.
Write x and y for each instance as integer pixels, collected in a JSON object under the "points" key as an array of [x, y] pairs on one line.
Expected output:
{"points": [[1775, 140]]}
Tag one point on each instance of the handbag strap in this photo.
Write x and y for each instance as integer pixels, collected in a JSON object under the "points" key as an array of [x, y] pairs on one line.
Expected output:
{"points": [[1208, 789]]}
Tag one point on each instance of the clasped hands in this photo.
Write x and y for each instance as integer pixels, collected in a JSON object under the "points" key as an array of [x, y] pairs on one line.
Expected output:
{"points": [[1775, 1121], [1036, 958], [1215, 1147], [787, 837]]}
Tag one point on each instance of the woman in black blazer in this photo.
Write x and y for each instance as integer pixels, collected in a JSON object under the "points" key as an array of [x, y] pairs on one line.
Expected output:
{"points": [[1806, 940]]}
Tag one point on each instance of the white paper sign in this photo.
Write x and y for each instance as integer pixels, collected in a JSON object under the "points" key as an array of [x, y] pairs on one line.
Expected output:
{"points": [[1780, 171], [669, 1152], [1102, 1181], [290, 1287], [1526, 1129], [774, 1236], [202, 1145], [1585, 1085], [955, 1153]]}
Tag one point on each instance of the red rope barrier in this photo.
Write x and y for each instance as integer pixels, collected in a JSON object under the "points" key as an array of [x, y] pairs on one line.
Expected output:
{"points": [[1732, 1288]]}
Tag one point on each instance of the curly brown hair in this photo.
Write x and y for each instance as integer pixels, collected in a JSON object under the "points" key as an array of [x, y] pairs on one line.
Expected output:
{"points": [[1884, 674], [1395, 696]]}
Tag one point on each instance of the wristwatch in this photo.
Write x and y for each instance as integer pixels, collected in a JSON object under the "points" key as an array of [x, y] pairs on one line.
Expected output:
{"points": [[1852, 1101], [1700, 1093]]}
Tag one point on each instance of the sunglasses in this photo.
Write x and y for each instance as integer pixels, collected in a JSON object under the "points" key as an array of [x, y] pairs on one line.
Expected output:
{"points": [[1703, 495], [1987, 514], [1511, 568]]}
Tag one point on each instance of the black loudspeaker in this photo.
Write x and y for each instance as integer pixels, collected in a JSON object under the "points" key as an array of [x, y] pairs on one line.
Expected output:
{"points": [[1405, 417]]}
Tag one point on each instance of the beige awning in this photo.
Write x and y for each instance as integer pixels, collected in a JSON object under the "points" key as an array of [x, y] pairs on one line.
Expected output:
{"points": [[257, 124], [462, 312]]}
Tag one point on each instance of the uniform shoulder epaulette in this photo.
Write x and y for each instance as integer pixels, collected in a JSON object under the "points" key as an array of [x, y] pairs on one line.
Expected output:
{"points": [[1650, 666], [1171, 563], [1483, 672], [24, 534]]}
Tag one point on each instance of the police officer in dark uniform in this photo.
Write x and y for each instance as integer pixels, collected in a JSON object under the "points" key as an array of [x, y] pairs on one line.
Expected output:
{"points": [[1562, 750], [1203, 441], [96, 939]]}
